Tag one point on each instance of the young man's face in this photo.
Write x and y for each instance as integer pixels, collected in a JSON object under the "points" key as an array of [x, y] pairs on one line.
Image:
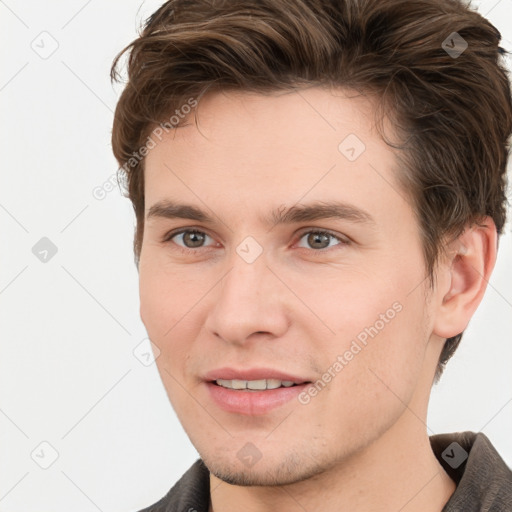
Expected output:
{"points": [[347, 311]]}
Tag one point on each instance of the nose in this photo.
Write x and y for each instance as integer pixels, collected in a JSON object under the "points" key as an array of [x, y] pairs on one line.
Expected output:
{"points": [[249, 302]]}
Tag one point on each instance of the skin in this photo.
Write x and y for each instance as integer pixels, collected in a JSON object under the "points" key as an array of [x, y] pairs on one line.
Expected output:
{"points": [[362, 442]]}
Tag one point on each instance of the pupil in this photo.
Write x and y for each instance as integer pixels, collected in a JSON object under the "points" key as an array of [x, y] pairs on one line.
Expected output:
{"points": [[194, 237], [314, 238]]}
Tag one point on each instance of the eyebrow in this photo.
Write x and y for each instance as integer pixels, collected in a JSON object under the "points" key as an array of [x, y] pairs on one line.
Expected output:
{"points": [[283, 215]]}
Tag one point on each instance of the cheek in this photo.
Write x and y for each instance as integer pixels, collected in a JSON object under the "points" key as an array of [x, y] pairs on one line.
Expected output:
{"points": [[377, 348], [156, 305], [372, 387], [171, 302], [166, 294], [382, 377], [349, 305]]}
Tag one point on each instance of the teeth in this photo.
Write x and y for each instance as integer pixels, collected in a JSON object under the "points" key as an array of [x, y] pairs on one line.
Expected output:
{"points": [[238, 384], [257, 385]]}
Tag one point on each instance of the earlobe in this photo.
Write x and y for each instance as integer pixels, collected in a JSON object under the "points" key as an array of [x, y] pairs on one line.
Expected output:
{"points": [[467, 269]]}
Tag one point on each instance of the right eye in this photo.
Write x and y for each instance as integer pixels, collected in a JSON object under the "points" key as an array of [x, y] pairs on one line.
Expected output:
{"points": [[190, 239]]}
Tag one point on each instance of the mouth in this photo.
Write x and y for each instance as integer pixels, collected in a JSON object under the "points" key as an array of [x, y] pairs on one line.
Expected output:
{"points": [[256, 385], [253, 378], [254, 391]]}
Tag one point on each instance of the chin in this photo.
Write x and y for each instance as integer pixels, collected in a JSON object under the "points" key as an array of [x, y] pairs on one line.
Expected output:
{"points": [[289, 470]]}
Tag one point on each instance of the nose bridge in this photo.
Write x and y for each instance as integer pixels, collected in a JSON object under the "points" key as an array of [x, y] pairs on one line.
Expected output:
{"points": [[245, 284], [247, 276], [247, 300]]}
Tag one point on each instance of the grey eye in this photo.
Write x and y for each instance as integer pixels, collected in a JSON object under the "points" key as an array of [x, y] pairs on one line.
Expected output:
{"points": [[191, 239], [319, 239]]}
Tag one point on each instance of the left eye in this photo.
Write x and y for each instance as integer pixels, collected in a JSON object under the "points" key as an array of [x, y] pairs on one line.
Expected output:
{"points": [[317, 239]]}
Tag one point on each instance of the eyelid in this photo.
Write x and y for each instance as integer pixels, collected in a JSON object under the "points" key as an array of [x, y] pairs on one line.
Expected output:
{"points": [[178, 231], [340, 237]]}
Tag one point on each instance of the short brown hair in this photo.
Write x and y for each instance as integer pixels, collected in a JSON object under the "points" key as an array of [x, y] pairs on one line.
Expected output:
{"points": [[453, 111]]}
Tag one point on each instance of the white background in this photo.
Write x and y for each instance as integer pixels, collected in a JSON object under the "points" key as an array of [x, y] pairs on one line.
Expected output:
{"points": [[68, 374]]}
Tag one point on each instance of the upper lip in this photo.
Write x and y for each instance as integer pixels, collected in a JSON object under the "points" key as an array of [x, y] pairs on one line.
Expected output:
{"points": [[252, 374]]}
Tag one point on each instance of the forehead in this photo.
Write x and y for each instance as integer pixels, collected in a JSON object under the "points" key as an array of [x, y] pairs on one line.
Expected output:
{"points": [[274, 148], [288, 118]]}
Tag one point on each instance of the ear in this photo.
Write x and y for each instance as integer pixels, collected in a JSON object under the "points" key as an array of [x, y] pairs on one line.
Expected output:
{"points": [[463, 276]]}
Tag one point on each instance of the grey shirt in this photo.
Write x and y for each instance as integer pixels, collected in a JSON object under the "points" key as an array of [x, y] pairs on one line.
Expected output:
{"points": [[484, 481]]}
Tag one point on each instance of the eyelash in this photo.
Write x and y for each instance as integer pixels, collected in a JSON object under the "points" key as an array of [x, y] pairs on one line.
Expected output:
{"points": [[186, 250]]}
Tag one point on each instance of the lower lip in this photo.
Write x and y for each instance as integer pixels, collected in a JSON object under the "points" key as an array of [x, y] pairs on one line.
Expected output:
{"points": [[252, 402]]}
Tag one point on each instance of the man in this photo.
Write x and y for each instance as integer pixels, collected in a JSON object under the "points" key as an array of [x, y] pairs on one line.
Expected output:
{"points": [[319, 191]]}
